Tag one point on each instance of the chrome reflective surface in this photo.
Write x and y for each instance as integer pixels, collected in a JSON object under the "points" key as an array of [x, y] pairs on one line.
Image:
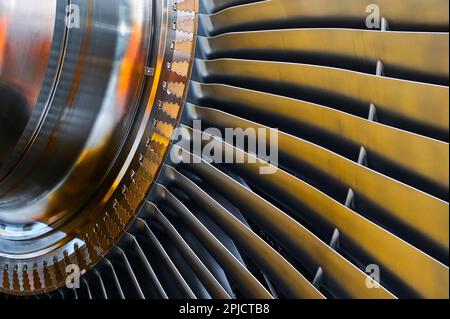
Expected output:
{"points": [[87, 117], [26, 33], [358, 188], [78, 82]]}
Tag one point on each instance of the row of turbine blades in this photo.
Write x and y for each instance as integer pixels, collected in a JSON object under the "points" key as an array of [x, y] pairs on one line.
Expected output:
{"points": [[363, 171]]}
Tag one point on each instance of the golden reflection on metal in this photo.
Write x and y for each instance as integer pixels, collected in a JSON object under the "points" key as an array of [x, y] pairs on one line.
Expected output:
{"points": [[428, 55], [415, 268], [401, 201], [433, 13], [413, 152], [100, 223], [423, 103]]}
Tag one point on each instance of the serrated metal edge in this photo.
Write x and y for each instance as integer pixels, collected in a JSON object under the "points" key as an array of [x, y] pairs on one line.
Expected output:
{"points": [[42, 275]]}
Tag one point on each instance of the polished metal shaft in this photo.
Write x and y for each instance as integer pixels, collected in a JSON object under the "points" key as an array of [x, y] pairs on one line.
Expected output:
{"points": [[70, 78]]}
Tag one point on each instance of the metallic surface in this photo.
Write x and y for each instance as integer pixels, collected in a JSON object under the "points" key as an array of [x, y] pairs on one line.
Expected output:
{"points": [[361, 177], [86, 120], [400, 98], [416, 269], [381, 139], [27, 33], [96, 142], [397, 199], [411, 13], [427, 57]]}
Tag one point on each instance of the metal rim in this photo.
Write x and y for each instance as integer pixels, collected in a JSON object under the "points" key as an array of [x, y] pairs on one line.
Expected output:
{"points": [[84, 236]]}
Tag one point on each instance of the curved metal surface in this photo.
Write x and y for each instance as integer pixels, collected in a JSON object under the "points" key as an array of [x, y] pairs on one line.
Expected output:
{"points": [[88, 117], [26, 38], [80, 163], [354, 206]]}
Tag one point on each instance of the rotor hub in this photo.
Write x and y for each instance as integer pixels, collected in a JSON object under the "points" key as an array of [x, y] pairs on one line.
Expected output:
{"points": [[83, 89]]}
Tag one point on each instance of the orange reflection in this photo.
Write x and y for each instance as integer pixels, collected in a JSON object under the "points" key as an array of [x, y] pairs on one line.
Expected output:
{"points": [[3, 31], [129, 68]]}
